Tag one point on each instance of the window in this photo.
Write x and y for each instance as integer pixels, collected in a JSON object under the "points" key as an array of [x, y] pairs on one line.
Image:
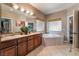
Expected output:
{"points": [[54, 26], [39, 25]]}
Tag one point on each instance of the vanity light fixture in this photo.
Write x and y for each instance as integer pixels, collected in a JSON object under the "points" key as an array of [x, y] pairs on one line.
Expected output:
{"points": [[27, 11], [15, 7], [22, 10]]}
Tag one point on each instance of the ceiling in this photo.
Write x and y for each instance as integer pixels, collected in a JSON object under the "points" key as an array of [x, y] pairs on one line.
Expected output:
{"points": [[48, 8]]}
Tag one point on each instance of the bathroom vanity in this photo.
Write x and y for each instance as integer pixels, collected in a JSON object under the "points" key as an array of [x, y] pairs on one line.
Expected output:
{"points": [[19, 45]]}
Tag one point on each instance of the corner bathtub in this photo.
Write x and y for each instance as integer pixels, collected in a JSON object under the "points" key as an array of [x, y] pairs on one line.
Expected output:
{"points": [[52, 39]]}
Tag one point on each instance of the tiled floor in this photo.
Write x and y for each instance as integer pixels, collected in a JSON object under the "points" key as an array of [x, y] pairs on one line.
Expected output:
{"points": [[54, 47], [36, 51], [59, 50]]}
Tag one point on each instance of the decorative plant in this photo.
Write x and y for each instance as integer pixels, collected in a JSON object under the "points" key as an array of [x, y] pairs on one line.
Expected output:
{"points": [[24, 29]]}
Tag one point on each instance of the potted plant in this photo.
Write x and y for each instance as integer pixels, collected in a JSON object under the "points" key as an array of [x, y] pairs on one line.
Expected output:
{"points": [[24, 29]]}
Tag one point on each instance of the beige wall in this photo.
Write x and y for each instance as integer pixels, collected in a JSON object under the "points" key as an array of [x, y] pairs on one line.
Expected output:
{"points": [[27, 6], [0, 9], [56, 15], [8, 13], [37, 13], [71, 9]]}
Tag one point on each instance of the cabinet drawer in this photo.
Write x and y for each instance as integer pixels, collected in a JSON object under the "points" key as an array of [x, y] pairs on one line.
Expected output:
{"points": [[10, 51], [22, 49], [8, 43], [30, 48], [36, 42], [30, 37], [30, 45], [22, 40], [30, 42], [38, 35]]}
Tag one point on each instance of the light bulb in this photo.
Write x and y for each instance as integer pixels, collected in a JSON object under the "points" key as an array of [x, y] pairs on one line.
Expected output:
{"points": [[22, 9], [15, 7], [27, 11], [31, 13]]}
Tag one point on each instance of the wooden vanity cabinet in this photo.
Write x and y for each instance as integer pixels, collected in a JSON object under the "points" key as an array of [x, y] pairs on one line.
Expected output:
{"points": [[8, 48], [22, 46], [37, 40], [10, 51], [30, 43]]}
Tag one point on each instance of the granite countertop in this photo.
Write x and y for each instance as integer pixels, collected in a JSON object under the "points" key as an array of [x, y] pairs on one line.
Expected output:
{"points": [[17, 36]]}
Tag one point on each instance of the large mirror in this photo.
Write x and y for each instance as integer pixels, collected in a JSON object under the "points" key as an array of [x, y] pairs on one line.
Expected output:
{"points": [[12, 20]]}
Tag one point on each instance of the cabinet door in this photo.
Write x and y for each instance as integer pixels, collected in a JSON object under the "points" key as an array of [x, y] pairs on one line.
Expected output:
{"points": [[10, 51], [22, 48], [39, 39], [35, 41], [30, 45]]}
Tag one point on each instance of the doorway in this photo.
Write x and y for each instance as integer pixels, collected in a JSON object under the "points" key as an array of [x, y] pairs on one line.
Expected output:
{"points": [[71, 30]]}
